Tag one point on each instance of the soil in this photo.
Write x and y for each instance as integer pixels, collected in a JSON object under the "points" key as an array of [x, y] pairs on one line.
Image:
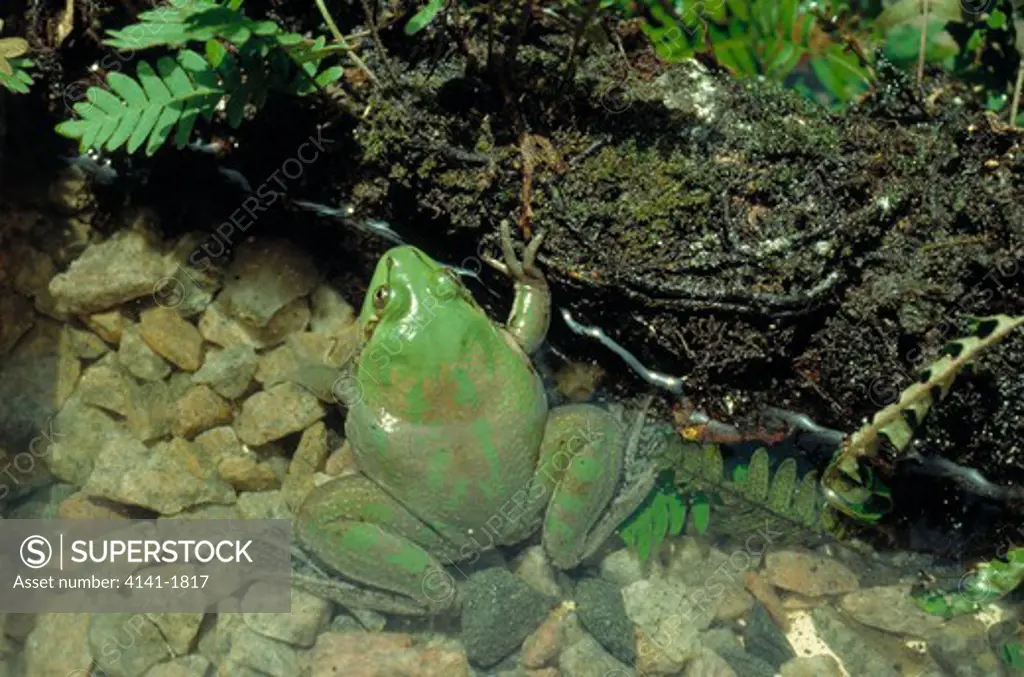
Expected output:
{"points": [[770, 251]]}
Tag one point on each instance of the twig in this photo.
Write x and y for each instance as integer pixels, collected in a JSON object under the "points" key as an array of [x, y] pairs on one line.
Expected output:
{"points": [[372, 23], [1015, 105], [509, 57], [570, 62], [340, 39], [490, 35], [924, 42]]}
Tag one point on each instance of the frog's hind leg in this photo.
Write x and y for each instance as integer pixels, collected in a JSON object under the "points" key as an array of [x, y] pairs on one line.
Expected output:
{"points": [[585, 448], [356, 528], [581, 462]]}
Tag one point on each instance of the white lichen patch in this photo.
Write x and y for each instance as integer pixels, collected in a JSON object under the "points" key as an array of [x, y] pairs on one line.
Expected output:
{"points": [[804, 638], [992, 614]]}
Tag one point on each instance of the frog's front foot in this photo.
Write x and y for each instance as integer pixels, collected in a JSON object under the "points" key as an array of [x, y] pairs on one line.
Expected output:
{"points": [[530, 317]]}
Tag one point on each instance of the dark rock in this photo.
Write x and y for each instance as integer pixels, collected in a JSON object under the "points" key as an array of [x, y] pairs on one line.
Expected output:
{"points": [[601, 611], [746, 664], [500, 611], [763, 638]]}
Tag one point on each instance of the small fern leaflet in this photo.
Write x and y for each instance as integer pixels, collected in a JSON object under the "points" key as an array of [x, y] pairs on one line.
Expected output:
{"points": [[131, 113]]}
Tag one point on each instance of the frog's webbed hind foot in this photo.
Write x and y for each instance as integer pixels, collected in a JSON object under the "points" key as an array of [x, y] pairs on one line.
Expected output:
{"points": [[383, 551], [530, 316]]}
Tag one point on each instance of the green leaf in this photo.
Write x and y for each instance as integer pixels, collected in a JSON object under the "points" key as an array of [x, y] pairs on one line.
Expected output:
{"points": [[700, 510], [155, 89], [423, 17], [660, 519], [14, 74], [236, 105], [988, 582], [643, 539], [179, 23], [215, 53], [677, 515], [997, 19], [783, 489], [758, 477], [329, 76], [13, 47], [841, 74], [713, 466], [1012, 654]]}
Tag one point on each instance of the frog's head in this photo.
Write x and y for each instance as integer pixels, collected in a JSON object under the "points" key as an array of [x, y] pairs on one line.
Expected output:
{"points": [[417, 315]]}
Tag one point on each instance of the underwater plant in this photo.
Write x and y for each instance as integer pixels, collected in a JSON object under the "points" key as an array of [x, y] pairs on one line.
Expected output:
{"points": [[987, 582], [849, 481], [662, 514], [698, 482]]}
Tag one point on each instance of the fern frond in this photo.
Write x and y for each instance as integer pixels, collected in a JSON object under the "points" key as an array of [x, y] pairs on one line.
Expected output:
{"points": [[898, 422], [662, 514], [211, 21], [182, 21], [751, 491], [132, 112]]}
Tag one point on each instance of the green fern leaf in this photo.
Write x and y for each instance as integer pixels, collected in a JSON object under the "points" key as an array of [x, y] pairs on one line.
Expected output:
{"points": [[783, 488], [167, 25], [659, 519], [643, 537], [677, 515], [184, 21], [713, 466], [758, 477], [145, 111], [700, 511], [748, 491], [805, 502], [662, 514]]}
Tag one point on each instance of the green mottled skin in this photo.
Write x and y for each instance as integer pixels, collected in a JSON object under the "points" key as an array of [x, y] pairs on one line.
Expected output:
{"points": [[452, 435]]}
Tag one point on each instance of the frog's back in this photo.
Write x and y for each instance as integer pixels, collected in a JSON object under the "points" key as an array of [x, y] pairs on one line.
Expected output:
{"points": [[456, 443]]}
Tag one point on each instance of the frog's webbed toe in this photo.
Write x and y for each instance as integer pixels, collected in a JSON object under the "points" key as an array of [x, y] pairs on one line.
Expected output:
{"points": [[356, 529]]}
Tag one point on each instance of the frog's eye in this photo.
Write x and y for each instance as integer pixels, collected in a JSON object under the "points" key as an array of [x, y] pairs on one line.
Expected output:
{"points": [[381, 296]]}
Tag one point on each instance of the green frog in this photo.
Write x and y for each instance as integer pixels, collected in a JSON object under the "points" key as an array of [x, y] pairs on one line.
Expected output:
{"points": [[456, 446]]}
